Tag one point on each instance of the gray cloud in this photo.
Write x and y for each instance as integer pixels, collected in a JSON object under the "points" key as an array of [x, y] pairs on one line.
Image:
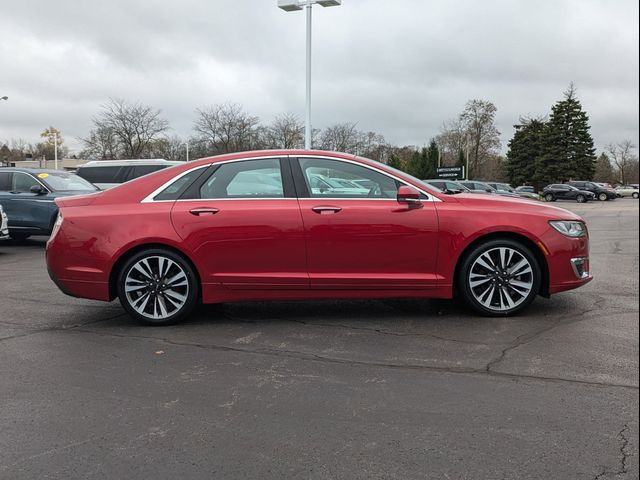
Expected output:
{"points": [[400, 68]]}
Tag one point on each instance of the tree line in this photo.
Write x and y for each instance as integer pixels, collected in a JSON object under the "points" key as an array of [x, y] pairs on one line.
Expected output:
{"points": [[542, 150]]}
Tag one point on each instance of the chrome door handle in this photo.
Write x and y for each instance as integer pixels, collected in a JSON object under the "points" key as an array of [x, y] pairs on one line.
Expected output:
{"points": [[203, 211], [326, 209]]}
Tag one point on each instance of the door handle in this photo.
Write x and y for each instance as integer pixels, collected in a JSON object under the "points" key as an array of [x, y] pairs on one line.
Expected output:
{"points": [[324, 209], [203, 211]]}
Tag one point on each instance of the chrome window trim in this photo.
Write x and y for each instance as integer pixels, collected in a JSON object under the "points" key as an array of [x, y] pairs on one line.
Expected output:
{"points": [[430, 196], [149, 198]]}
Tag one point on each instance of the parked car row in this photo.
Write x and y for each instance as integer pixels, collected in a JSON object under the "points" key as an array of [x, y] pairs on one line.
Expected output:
{"points": [[474, 186]]}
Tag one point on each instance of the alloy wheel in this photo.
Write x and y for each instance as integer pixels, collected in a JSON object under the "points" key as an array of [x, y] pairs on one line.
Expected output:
{"points": [[580, 199], [501, 279], [156, 287]]}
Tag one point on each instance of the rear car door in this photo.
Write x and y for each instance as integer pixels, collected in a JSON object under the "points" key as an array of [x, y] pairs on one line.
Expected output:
{"points": [[364, 238], [242, 220]]}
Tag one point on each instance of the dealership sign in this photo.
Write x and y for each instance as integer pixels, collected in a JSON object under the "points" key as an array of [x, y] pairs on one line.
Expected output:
{"points": [[452, 173]]}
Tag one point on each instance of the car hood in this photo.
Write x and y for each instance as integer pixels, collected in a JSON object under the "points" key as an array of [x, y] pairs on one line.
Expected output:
{"points": [[516, 205]]}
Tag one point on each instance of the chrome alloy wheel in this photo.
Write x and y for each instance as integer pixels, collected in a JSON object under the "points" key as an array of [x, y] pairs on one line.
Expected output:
{"points": [[156, 287], [501, 279]]}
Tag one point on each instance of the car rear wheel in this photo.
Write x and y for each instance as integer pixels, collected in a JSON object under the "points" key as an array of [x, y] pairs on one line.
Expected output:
{"points": [[157, 287], [603, 197], [549, 197], [500, 277], [635, 195], [581, 199]]}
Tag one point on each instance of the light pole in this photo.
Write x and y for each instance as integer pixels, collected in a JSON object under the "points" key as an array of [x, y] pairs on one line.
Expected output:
{"points": [[55, 150], [187, 149], [292, 6]]}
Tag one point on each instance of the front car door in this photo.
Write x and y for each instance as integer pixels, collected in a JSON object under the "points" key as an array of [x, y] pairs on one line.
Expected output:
{"points": [[363, 237], [241, 219]]}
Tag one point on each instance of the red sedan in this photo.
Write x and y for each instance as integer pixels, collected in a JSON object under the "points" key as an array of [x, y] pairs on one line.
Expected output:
{"points": [[286, 225]]}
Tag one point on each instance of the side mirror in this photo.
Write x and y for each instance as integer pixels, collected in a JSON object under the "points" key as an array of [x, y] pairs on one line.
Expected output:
{"points": [[37, 189], [407, 194]]}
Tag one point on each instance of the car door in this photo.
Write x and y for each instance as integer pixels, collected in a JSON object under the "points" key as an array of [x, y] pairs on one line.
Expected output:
{"points": [[366, 238], [27, 210], [242, 221]]}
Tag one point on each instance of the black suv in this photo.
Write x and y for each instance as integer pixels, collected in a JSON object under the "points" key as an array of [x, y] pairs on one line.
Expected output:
{"points": [[600, 192], [560, 191]]}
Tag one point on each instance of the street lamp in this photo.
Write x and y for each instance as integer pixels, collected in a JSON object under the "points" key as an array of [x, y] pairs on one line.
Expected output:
{"points": [[292, 6]]}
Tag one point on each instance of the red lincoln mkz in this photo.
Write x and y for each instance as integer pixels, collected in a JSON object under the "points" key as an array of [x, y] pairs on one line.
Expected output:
{"points": [[285, 225]]}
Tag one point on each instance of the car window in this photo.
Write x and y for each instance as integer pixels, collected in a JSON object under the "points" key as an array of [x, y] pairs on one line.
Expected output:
{"points": [[323, 178], [22, 182], [245, 179], [5, 181], [173, 191], [100, 174], [141, 170]]}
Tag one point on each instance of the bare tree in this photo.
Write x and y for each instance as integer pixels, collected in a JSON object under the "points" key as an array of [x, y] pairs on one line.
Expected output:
{"points": [[135, 126], [623, 157], [451, 141], [341, 137], [225, 128], [483, 137], [169, 148], [286, 131], [101, 144]]}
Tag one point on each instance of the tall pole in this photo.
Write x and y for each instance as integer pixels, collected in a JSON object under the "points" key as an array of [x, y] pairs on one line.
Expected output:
{"points": [[187, 148], [466, 170], [55, 150], [307, 130]]}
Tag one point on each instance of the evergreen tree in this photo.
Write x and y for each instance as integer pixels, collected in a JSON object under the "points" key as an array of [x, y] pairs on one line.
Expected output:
{"points": [[525, 151], [432, 159], [423, 162], [394, 161], [568, 145]]}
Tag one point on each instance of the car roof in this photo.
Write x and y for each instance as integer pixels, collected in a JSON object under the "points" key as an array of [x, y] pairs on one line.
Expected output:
{"points": [[31, 170], [120, 163]]}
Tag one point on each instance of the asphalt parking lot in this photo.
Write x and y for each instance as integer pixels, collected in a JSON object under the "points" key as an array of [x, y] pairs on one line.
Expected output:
{"points": [[343, 389]]}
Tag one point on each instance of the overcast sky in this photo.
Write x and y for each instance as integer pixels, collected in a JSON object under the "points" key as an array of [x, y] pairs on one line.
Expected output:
{"points": [[398, 67]]}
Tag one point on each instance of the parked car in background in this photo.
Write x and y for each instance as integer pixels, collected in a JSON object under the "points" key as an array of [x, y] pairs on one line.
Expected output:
{"points": [[4, 225], [526, 188], [27, 196], [109, 173], [628, 191], [447, 186], [506, 188], [165, 242], [563, 191], [600, 192], [483, 187]]}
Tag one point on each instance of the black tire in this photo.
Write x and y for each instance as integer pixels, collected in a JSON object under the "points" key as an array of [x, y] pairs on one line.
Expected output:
{"points": [[190, 291], [603, 197], [464, 277], [634, 195], [19, 237], [549, 197], [581, 199]]}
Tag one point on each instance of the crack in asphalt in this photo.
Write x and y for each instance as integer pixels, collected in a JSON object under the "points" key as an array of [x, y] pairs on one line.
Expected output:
{"points": [[624, 456], [344, 361]]}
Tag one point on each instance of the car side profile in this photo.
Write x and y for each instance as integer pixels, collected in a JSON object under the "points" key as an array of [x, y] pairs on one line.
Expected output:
{"points": [[216, 230], [28, 195], [563, 191], [600, 192], [628, 191]]}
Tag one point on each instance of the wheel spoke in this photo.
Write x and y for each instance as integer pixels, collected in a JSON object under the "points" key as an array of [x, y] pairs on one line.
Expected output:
{"points": [[521, 264], [477, 283], [490, 265], [178, 280], [507, 297]]}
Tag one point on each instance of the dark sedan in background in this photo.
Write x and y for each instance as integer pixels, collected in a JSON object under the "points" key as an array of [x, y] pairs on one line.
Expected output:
{"points": [[600, 192], [27, 196], [563, 191]]}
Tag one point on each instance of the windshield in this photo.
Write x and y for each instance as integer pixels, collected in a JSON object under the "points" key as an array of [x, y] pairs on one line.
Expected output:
{"points": [[66, 182]]}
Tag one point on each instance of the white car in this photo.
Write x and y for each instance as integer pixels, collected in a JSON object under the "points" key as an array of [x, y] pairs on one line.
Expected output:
{"points": [[628, 191], [4, 225]]}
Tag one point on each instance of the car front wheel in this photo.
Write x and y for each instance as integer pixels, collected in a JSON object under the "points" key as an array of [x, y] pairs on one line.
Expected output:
{"points": [[581, 199], [499, 278], [157, 287], [603, 197], [549, 197]]}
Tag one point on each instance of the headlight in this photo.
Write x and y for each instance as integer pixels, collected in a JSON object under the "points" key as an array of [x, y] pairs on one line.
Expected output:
{"points": [[570, 228]]}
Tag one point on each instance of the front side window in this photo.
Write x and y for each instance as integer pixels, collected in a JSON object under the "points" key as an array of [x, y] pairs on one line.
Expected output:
{"points": [[337, 179], [245, 179], [21, 182]]}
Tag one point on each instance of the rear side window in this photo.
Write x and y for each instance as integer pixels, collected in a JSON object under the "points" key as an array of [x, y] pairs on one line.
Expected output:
{"points": [[173, 191], [100, 174], [245, 179], [5, 181]]}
